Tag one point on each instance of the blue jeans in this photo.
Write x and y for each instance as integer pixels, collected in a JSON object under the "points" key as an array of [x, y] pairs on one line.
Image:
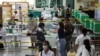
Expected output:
{"points": [[63, 47]]}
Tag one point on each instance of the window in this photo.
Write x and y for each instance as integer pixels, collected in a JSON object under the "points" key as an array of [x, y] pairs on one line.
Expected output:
{"points": [[48, 3]]}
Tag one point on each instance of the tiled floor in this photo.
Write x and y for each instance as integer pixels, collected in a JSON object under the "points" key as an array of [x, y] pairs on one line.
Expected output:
{"points": [[24, 50], [17, 53]]}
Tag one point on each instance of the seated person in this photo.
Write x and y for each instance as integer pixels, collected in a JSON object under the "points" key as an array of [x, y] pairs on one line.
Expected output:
{"points": [[55, 18], [46, 14], [16, 16], [46, 50]]}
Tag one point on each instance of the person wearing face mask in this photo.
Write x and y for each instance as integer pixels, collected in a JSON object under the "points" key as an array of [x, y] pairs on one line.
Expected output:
{"points": [[47, 50]]}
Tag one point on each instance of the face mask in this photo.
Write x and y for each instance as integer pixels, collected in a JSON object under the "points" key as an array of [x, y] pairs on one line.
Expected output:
{"points": [[45, 47]]}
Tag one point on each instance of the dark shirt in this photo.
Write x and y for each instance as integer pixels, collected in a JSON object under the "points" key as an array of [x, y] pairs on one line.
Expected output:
{"points": [[61, 33], [40, 35]]}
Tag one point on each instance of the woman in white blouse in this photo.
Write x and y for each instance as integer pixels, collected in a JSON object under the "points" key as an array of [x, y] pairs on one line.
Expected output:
{"points": [[46, 50], [88, 49]]}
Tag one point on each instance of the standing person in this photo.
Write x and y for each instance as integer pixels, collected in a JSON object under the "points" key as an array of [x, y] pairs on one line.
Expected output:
{"points": [[32, 26], [55, 18], [68, 11], [16, 16], [69, 28], [61, 35], [40, 35], [2, 35], [63, 12], [81, 8], [80, 41], [88, 49], [47, 50], [69, 7], [59, 12]]}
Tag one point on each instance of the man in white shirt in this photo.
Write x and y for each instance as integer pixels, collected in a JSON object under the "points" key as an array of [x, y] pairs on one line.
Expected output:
{"points": [[46, 14]]}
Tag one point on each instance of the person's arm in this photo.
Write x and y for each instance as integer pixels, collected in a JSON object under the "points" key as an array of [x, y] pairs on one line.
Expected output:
{"points": [[76, 44], [39, 53], [76, 47], [53, 54], [93, 50]]}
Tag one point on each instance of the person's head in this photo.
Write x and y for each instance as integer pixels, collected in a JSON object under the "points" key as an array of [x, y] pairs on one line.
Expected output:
{"points": [[87, 44], [62, 7], [30, 15], [80, 6], [67, 9], [68, 5], [61, 25], [56, 15], [41, 19], [84, 31], [41, 25], [15, 12], [46, 45], [1, 26]]}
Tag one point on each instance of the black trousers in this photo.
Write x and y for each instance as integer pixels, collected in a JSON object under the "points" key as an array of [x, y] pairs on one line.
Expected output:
{"points": [[39, 45]]}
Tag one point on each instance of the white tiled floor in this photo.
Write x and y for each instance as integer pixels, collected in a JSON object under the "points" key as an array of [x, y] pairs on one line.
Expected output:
{"points": [[17, 53]]}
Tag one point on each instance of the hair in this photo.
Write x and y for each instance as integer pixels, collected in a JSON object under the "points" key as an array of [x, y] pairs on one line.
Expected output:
{"points": [[62, 20], [48, 44], [1, 25], [40, 19], [61, 25], [15, 12], [56, 15], [87, 45], [80, 6], [30, 15], [84, 31], [41, 25]]}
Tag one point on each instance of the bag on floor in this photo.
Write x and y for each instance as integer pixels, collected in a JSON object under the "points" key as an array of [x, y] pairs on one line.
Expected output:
{"points": [[1, 46], [71, 53]]}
